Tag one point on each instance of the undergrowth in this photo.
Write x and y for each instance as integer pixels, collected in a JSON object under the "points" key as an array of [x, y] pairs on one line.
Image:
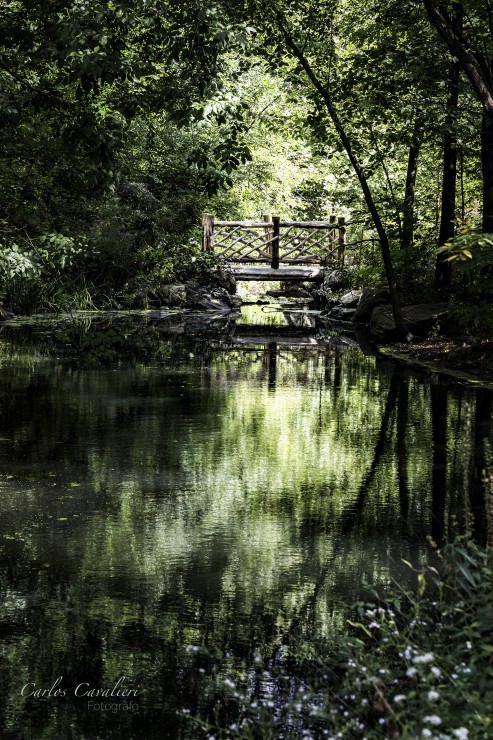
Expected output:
{"points": [[409, 664]]}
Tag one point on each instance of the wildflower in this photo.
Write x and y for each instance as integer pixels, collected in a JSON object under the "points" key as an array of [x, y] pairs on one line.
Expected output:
{"points": [[426, 733], [411, 672], [229, 683], [425, 658], [374, 626], [469, 647], [234, 726], [433, 719], [461, 733], [436, 671], [433, 695], [399, 697]]}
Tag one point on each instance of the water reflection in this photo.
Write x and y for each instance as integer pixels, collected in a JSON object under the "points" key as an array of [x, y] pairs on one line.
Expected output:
{"points": [[159, 493]]}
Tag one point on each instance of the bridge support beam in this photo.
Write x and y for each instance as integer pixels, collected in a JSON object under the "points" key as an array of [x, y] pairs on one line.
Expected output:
{"points": [[293, 273]]}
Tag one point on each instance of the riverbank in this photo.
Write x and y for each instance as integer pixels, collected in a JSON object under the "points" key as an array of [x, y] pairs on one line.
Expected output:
{"points": [[458, 355]]}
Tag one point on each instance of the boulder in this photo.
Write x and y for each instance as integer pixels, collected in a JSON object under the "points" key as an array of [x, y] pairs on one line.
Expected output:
{"points": [[173, 295], [208, 299], [370, 299], [226, 280], [419, 320], [341, 313], [351, 299], [334, 281]]}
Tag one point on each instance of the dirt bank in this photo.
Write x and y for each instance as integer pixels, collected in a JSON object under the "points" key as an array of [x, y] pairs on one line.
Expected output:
{"points": [[470, 355]]}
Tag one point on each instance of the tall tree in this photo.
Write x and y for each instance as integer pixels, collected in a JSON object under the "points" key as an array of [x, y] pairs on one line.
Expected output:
{"points": [[443, 270], [474, 52]]}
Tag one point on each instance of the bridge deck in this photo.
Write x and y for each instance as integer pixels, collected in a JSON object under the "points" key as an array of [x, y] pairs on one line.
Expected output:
{"points": [[288, 272]]}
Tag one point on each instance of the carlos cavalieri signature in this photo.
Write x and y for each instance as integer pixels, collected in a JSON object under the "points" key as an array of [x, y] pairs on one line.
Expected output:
{"points": [[82, 689]]}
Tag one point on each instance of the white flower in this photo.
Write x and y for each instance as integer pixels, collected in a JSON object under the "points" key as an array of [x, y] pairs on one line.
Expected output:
{"points": [[426, 733], [461, 732], [399, 697], [230, 684], [425, 658], [374, 626], [469, 647], [411, 672], [433, 695], [436, 671], [433, 719]]}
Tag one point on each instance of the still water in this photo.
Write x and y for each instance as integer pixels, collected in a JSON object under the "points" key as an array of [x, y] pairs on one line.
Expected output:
{"points": [[177, 505]]}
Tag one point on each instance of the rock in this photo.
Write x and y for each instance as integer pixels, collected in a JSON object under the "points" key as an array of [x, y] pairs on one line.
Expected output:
{"points": [[419, 320], [208, 299], [341, 313], [351, 299], [334, 281], [173, 295], [226, 280], [370, 299], [290, 293]]}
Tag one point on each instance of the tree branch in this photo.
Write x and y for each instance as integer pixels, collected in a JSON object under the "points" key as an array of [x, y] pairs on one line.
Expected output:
{"points": [[473, 65], [341, 131]]}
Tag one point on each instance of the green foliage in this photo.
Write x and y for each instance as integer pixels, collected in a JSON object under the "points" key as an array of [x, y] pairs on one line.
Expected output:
{"points": [[414, 664]]}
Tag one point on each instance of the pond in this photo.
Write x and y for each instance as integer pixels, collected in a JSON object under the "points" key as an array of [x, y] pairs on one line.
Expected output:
{"points": [[180, 501]]}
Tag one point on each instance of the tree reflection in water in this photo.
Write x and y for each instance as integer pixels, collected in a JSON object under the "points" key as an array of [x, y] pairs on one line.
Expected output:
{"points": [[161, 493]]}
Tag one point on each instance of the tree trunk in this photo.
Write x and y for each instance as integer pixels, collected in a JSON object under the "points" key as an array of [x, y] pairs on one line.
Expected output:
{"points": [[382, 234], [487, 167], [410, 192], [443, 269]]}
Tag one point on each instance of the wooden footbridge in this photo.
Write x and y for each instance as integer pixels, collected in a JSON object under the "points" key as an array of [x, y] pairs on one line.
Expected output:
{"points": [[272, 249]]}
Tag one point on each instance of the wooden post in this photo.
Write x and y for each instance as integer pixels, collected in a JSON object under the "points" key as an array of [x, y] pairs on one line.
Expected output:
{"points": [[332, 237], [275, 243], [342, 240], [207, 232], [268, 233]]}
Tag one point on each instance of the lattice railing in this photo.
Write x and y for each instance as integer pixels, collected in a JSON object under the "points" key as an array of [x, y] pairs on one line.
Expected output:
{"points": [[273, 241]]}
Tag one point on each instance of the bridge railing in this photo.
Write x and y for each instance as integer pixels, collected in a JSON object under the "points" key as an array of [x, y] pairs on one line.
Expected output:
{"points": [[272, 241]]}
